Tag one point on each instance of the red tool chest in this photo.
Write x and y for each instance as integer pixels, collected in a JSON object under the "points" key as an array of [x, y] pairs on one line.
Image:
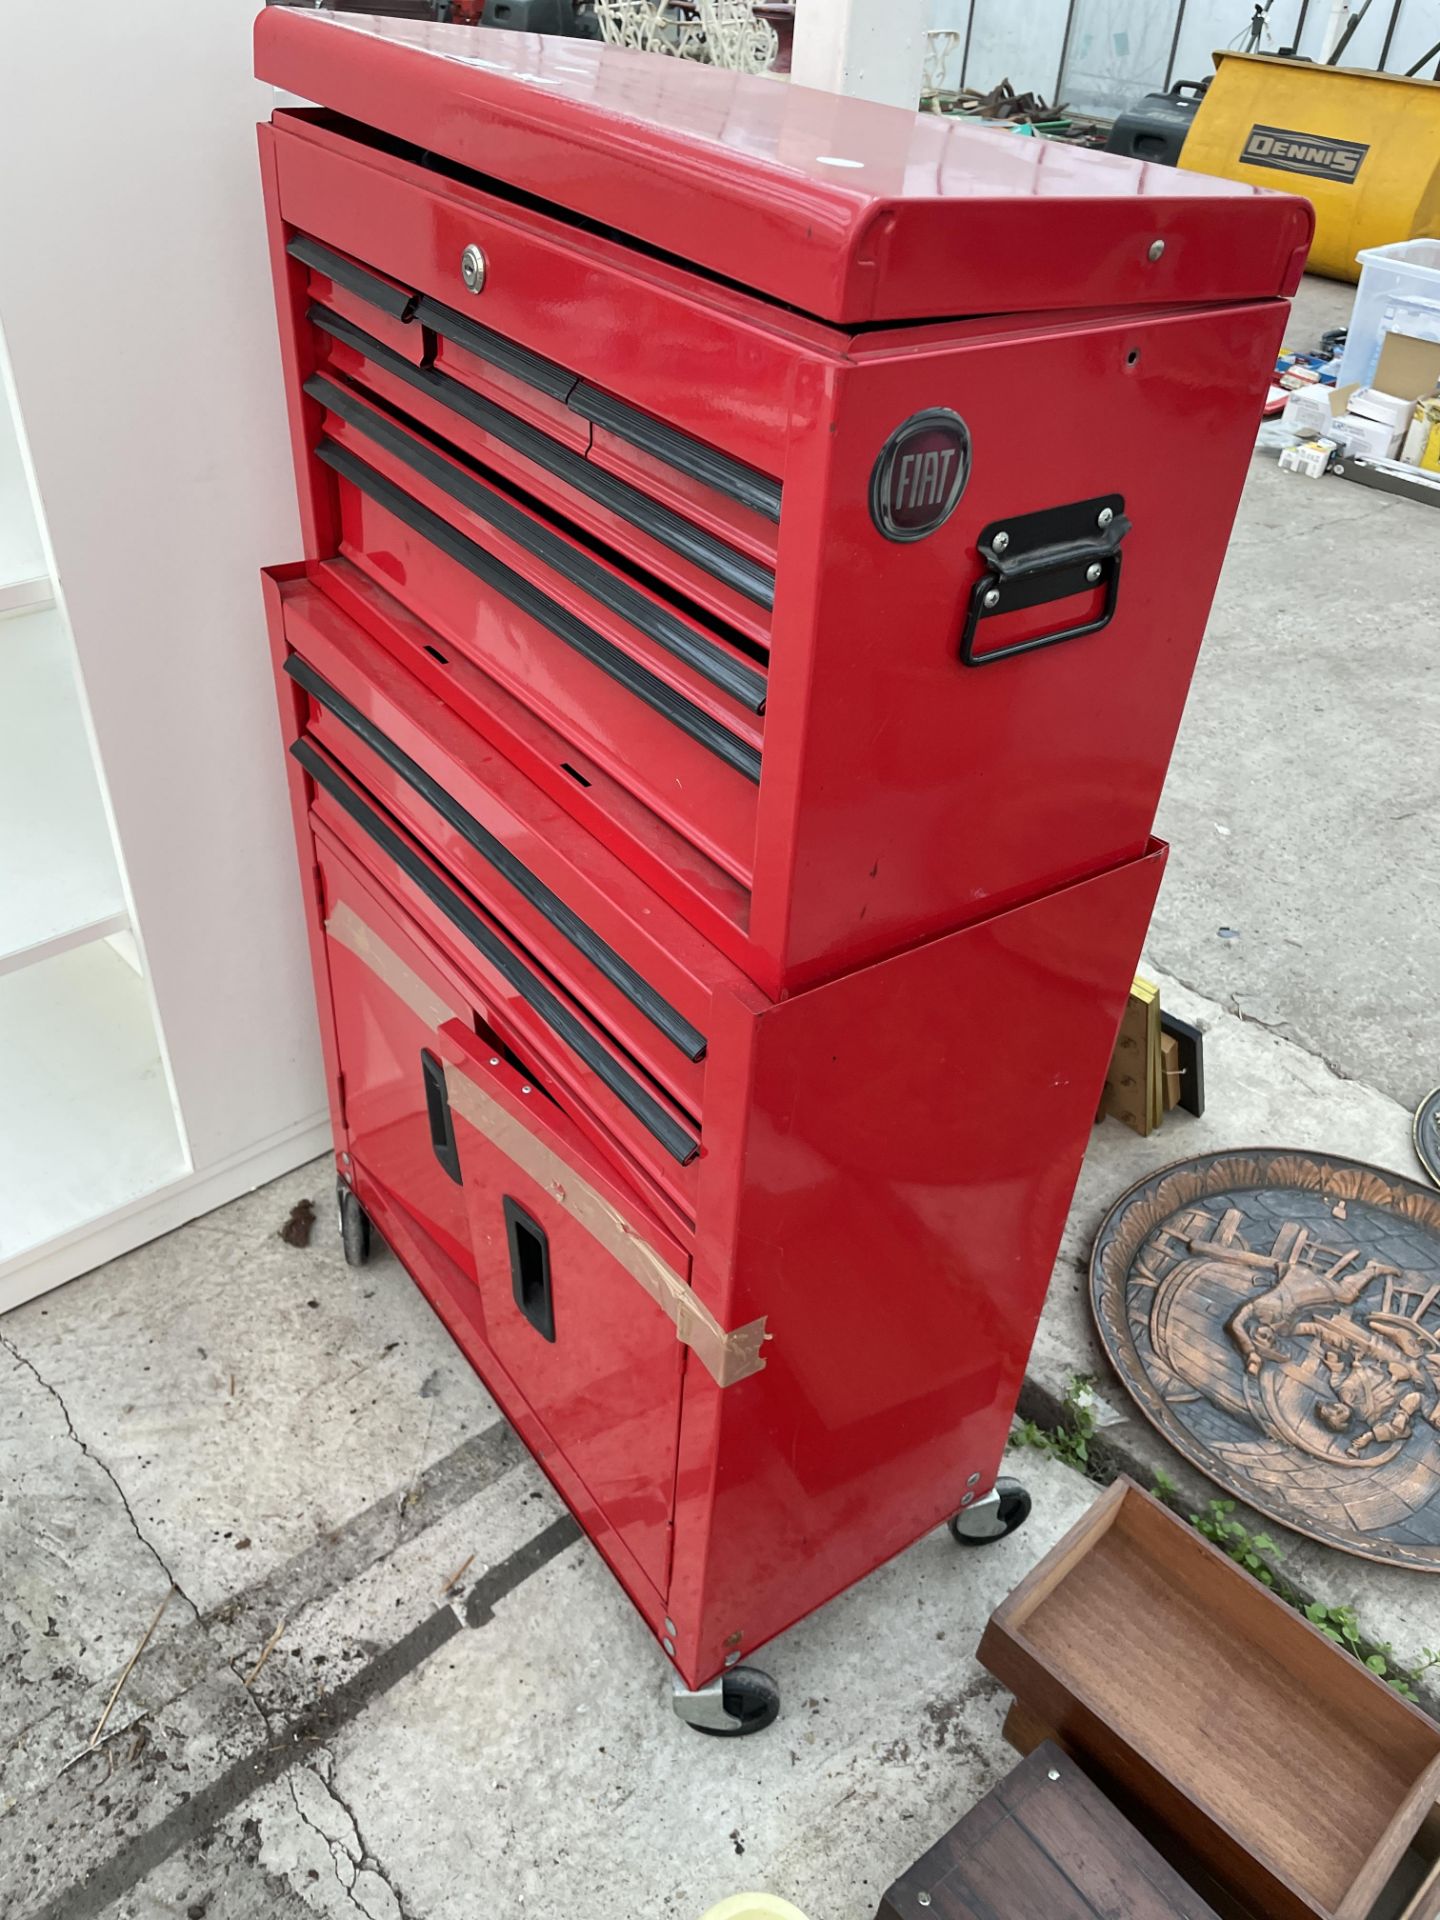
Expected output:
{"points": [[757, 546]]}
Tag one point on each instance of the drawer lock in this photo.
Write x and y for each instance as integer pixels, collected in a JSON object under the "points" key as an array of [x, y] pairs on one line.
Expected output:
{"points": [[472, 269]]}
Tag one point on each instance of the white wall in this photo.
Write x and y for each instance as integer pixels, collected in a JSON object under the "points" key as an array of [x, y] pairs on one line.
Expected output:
{"points": [[135, 300], [21, 554]]}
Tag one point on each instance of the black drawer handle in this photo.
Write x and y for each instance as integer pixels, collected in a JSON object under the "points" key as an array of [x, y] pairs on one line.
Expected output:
{"points": [[677, 1141], [529, 1247], [395, 301], [520, 592], [553, 550], [733, 569], [602, 957], [1033, 558], [668, 444], [437, 1106]]}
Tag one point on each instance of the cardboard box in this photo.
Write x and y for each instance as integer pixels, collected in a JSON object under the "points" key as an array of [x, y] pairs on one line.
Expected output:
{"points": [[1315, 409], [1371, 439], [1370, 421], [1389, 409]]}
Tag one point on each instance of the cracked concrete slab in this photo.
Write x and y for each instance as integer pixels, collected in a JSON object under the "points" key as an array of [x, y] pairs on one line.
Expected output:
{"points": [[540, 1760], [173, 1371], [66, 1635], [399, 1751]]}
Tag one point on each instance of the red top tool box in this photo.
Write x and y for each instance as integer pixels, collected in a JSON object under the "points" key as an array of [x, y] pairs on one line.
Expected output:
{"points": [[757, 545]]}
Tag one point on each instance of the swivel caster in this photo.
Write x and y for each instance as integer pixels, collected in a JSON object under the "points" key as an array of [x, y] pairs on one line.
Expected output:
{"points": [[354, 1225], [1001, 1511], [742, 1701]]}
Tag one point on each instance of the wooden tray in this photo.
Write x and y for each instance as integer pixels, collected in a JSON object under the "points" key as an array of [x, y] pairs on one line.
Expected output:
{"points": [[1043, 1845], [1284, 1768]]}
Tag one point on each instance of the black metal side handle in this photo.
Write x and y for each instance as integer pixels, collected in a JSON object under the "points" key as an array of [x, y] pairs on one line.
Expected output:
{"points": [[442, 1124], [1033, 558], [530, 1268]]}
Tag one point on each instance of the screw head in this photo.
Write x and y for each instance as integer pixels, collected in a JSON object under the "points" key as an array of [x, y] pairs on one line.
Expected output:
{"points": [[923, 1898], [527, 1089], [1105, 516], [992, 598], [1000, 542], [669, 1645], [472, 268], [1157, 247], [966, 1499], [1051, 1774], [669, 1626], [732, 1659], [973, 1481], [494, 1059], [1093, 572], [345, 1159]]}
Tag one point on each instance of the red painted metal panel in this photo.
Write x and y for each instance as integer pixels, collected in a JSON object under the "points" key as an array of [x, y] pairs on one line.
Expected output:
{"points": [[453, 1296], [381, 1041], [602, 578], [901, 1264], [905, 793], [843, 208], [606, 1385], [588, 304]]}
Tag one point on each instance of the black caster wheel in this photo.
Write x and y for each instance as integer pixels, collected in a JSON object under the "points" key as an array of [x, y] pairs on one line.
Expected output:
{"points": [[1001, 1511], [742, 1701], [354, 1225]]}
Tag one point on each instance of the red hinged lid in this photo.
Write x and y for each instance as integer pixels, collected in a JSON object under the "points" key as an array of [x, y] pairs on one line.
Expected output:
{"points": [[847, 210]]}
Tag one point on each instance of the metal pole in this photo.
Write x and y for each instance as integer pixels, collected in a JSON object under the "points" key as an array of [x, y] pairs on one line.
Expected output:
{"points": [[1064, 54], [969, 29], [1169, 79], [872, 49], [1389, 35]]}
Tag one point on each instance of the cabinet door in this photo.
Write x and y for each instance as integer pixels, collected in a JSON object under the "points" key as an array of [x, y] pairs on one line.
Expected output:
{"points": [[385, 1024], [557, 1246]]}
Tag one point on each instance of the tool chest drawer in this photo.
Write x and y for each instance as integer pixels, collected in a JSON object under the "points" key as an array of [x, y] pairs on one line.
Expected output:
{"points": [[570, 336], [605, 991], [546, 1297]]}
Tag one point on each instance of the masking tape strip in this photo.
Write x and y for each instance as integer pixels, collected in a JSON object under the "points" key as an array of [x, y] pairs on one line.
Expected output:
{"points": [[347, 929], [727, 1357]]}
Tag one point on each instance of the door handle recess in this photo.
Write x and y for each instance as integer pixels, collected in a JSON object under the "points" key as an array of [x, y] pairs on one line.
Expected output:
{"points": [[530, 1268], [442, 1125]]}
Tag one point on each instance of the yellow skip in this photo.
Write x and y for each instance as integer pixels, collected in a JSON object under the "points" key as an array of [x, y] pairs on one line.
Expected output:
{"points": [[1363, 148]]}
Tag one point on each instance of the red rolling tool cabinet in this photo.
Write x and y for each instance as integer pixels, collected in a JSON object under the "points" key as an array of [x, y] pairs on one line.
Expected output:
{"points": [[756, 548]]}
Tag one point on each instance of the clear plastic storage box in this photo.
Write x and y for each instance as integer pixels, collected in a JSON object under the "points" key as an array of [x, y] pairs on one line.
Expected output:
{"points": [[1399, 292]]}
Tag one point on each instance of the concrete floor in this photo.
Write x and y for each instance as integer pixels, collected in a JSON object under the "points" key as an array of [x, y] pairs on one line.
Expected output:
{"points": [[280, 1440], [1301, 803]]}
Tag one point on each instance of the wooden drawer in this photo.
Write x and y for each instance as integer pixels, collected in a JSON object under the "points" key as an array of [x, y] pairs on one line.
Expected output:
{"points": [[1281, 1766]]}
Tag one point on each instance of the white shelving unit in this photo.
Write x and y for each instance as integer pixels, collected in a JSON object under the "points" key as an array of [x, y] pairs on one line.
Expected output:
{"points": [[59, 881], [158, 1052], [87, 1124]]}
